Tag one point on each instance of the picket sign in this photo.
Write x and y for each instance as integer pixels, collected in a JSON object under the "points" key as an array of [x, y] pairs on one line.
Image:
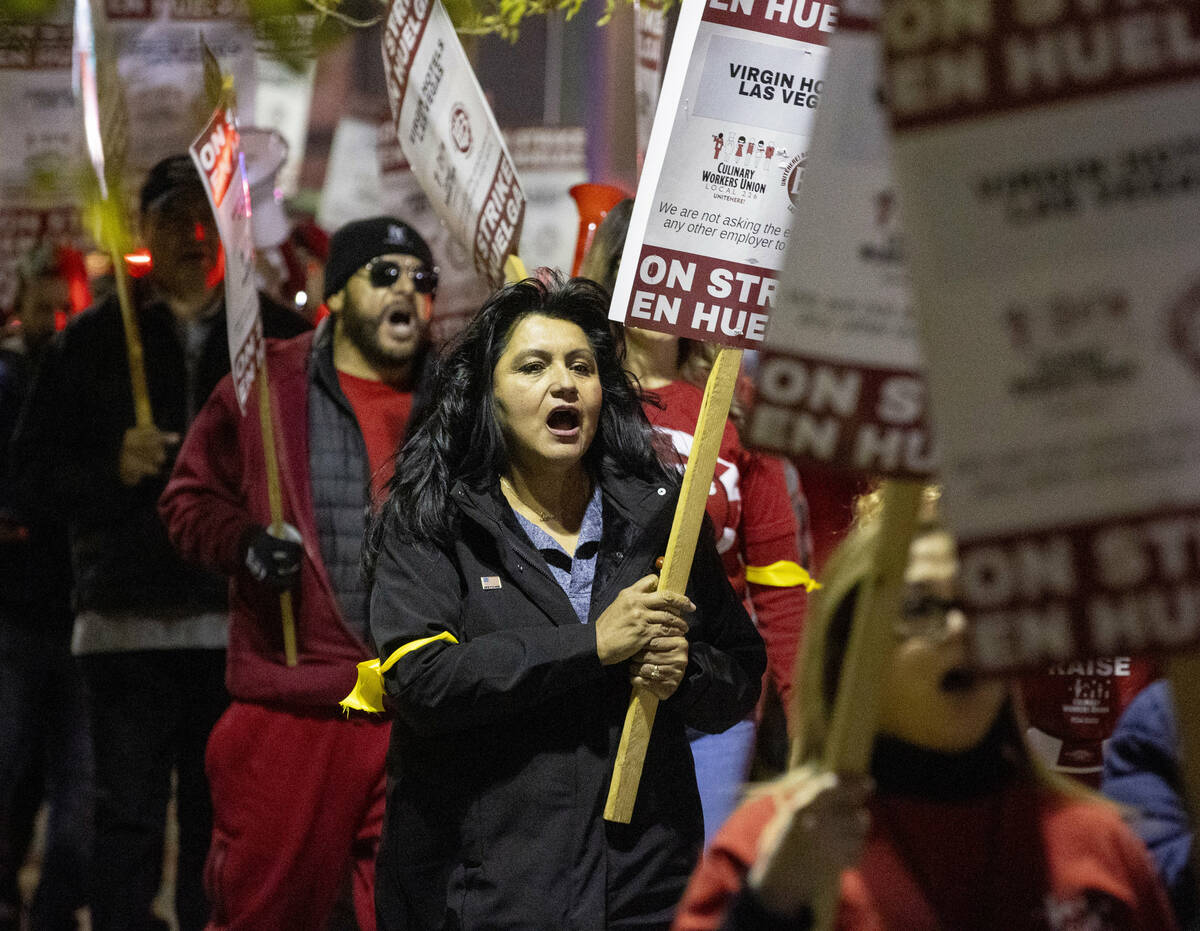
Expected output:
{"points": [[707, 237], [105, 123], [448, 133], [840, 379], [218, 157], [1051, 202]]}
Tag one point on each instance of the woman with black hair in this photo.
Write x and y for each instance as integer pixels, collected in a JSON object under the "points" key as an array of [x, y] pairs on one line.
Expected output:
{"points": [[514, 606]]}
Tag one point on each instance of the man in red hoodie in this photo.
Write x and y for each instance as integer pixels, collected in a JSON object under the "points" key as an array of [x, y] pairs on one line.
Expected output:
{"points": [[298, 791]]}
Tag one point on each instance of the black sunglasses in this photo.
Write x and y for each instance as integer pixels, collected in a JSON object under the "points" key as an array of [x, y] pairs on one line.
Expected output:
{"points": [[383, 273]]}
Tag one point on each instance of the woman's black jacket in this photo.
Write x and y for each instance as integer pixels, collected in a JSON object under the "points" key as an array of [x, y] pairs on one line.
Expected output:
{"points": [[504, 744]]}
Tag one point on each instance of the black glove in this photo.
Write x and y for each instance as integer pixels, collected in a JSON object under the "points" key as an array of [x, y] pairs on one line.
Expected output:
{"points": [[273, 560]]}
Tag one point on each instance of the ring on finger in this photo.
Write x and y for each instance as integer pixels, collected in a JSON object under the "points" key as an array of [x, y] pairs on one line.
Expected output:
{"points": [[653, 672]]}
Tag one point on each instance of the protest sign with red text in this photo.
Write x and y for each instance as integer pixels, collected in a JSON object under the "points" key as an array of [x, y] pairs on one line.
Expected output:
{"points": [[448, 133], [840, 379], [649, 32], [1048, 161], [218, 157], [714, 206]]}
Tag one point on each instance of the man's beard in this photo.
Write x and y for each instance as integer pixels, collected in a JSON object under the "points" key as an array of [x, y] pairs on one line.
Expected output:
{"points": [[363, 333]]}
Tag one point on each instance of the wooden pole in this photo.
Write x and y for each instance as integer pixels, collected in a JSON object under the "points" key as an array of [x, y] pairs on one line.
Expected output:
{"points": [[1183, 671], [677, 566], [514, 269], [276, 504], [856, 710], [142, 414]]}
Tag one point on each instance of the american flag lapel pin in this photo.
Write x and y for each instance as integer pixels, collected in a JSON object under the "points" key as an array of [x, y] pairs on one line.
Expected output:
{"points": [[489, 582]]}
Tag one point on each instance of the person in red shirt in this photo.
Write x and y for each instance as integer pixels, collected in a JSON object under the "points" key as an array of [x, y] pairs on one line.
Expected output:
{"points": [[752, 513], [298, 791], [960, 829]]}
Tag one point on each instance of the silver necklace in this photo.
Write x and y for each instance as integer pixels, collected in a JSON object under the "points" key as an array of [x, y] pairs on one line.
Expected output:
{"points": [[543, 516]]}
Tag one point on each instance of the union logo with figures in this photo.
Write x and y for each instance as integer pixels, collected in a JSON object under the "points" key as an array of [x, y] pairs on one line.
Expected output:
{"points": [[793, 177]]}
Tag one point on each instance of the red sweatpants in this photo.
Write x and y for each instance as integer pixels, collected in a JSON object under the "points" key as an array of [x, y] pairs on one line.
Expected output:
{"points": [[297, 800]]}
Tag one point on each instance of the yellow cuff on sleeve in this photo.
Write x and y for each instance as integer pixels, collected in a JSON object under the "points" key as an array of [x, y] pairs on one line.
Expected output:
{"points": [[368, 690], [782, 574]]}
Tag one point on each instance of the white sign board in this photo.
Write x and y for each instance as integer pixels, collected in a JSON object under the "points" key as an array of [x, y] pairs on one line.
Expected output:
{"points": [[160, 59], [840, 379], [1051, 192], [649, 30], [352, 188], [281, 102], [222, 168], [42, 139], [41, 144], [550, 161], [461, 289], [448, 133], [715, 202]]}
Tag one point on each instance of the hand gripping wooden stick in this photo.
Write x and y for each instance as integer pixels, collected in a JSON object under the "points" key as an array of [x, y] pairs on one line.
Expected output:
{"points": [[856, 709], [275, 498], [677, 566]]}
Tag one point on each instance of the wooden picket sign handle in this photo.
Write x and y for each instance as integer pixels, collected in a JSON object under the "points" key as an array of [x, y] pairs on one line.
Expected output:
{"points": [[275, 499], [856, 709], [1183, 671], [677, 566], [142, 415], [514, 269]]}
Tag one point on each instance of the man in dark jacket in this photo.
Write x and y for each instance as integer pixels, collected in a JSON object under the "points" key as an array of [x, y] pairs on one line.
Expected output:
{"points": [[298, 791], [150, 630]]}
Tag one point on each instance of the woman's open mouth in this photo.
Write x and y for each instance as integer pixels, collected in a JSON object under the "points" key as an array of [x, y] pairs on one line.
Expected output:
{"points": [[564, 422]]}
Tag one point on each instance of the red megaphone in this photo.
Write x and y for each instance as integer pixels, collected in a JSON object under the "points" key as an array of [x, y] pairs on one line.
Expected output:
{"points": [[593, 201]]}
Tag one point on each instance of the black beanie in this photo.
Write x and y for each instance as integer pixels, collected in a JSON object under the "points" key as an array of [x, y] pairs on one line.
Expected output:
{"points": [[355, 244], [173, 173]]}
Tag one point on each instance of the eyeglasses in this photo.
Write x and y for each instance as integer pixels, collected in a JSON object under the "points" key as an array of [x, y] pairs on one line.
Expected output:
{"points": [[383, 273], [925, 616]]}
